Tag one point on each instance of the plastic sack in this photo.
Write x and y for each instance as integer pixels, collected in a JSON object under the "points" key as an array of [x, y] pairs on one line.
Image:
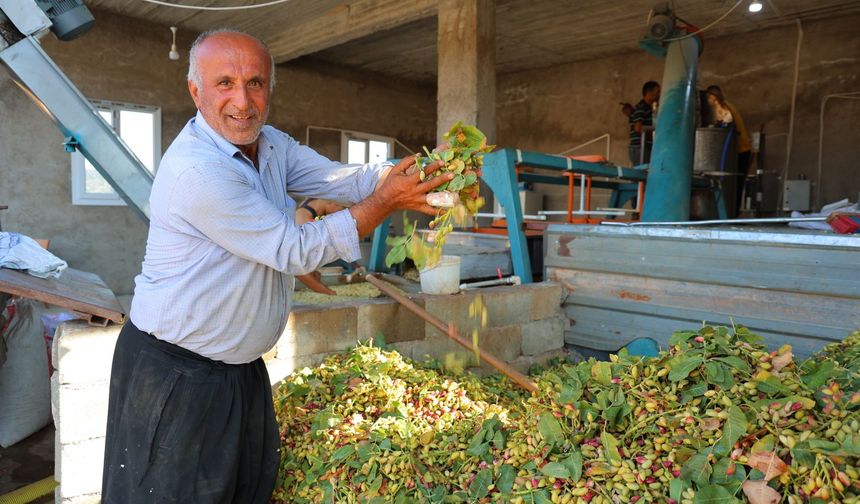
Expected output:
{"points": [[25, 389]]}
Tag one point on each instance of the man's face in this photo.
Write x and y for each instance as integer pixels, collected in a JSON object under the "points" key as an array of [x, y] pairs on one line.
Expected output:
{"points": [[233, 95], [655, 94]]}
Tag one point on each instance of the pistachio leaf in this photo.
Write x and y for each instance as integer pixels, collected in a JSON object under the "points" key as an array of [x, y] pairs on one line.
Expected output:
{"points": [[768, 463], [549, 428], [555, 470], [480, 486], [783, 358], [682, 366], [735, 427], [610, 446], [697, 469], [759, 493], [602, 372], [507, 475], [574, 465]]}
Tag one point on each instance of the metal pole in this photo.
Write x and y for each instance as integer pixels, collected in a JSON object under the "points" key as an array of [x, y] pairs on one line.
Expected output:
{"points": [[770, 220], [667, 193]]}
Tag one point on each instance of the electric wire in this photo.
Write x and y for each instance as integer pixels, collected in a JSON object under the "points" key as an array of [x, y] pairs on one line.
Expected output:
{"points": [[208, 8], [735, 6]]}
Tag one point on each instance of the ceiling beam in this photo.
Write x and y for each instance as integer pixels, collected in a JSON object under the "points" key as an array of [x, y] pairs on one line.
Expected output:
{"points": [[347, 22]]}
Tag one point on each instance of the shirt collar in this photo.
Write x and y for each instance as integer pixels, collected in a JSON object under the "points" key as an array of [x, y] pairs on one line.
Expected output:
{"points": [[263, 149], [220, 142]]}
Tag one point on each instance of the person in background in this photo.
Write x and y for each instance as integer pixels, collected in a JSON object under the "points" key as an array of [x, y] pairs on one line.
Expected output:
{"points": [[727, 114], [626, 108], [641, 116]]}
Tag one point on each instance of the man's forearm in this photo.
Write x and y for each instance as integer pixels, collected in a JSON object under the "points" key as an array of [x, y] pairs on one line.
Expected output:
{"points": [[369, 213]]}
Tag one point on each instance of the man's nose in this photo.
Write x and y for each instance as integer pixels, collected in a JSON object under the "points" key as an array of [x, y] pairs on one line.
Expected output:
{"points": [[241, 98]]}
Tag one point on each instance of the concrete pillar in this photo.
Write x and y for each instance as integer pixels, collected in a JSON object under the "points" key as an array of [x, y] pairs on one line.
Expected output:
{"points": [[467, 65]]}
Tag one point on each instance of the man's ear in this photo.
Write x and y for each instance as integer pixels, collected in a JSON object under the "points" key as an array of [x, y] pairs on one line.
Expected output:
{"points": [[195, 92]]}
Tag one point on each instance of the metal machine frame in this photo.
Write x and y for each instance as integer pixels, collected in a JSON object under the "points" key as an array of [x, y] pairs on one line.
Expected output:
{"points": [[83, 128], [500, 174]]}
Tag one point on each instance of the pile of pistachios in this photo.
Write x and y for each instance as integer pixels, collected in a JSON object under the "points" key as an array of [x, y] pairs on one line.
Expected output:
{"points": [[715, 418]]}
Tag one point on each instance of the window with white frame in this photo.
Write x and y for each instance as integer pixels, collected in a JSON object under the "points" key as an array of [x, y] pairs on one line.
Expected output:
{"points": [[139, 126], [356, 147]]}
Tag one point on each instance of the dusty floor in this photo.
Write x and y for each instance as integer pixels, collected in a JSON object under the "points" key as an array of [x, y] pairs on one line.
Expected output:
{"points": [[28, 461]]}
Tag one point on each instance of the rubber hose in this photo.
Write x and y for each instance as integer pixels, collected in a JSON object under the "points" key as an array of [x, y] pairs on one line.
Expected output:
{"points": [[726, 149], [30, 492]]}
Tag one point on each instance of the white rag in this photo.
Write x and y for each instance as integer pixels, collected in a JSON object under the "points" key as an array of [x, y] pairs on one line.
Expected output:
{"points": [[840, 206], [23, 253]]}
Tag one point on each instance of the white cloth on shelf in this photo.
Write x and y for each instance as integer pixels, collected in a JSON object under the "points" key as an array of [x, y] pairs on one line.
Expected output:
{"points": [[21, 252], [840, 206]]}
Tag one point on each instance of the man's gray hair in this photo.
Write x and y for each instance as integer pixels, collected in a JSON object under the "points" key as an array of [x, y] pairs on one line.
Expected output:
{"points": [[194, 71]]}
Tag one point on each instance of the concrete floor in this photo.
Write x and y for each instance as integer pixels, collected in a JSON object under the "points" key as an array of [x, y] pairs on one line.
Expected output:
{"points": [[28, 461]]}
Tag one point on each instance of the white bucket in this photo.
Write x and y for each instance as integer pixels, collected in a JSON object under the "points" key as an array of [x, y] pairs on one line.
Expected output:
{"points": [[443, 277]]}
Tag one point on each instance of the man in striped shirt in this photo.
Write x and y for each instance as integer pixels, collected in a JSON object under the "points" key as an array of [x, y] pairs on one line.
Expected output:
{"points": [[642, 116]]}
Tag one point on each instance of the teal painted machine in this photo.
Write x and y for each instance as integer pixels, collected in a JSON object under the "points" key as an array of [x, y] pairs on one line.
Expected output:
{"points": [[670, 172], [669, 176]]}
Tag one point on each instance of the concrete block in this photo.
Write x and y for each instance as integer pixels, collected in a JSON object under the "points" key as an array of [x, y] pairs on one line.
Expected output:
{"points": [[404, 348], [508, 305], [84, 353], [546, 300], [55, 398], [505, 343], [82, 499], [502, 342], [525, 362], [81, 412], [395, 322], [441, 348], [450, 308], [313, 330], [543, 335], [78, 468]]}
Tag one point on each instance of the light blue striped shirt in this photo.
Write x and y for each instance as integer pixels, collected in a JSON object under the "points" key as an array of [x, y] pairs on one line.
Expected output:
{"points": [[223, 247]]}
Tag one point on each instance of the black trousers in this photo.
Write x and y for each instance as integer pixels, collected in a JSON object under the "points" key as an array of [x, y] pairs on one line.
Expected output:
{"points": [[183, 428]]}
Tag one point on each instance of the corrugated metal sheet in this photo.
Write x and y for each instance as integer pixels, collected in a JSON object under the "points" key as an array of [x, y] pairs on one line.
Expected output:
{"points": [[789, 286]]}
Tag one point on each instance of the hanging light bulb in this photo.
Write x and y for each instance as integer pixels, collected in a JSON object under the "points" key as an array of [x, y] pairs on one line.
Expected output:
{"points": [[174, 53], [755, 6]]}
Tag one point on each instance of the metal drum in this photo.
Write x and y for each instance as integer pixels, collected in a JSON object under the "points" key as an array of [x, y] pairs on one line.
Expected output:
{"points": [[708, 153], [713, 156]]}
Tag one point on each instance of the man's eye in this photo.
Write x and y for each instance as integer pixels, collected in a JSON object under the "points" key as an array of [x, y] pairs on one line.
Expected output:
{"points": [[255, 83], [224, 83]]}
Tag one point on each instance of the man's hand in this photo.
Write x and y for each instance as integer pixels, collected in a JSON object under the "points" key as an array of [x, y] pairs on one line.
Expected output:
{"points": [[403, 189], [313, 282]]}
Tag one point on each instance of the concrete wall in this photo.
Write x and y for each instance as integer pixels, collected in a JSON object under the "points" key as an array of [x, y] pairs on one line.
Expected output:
{"points": [[556, 108], [126, 60]]}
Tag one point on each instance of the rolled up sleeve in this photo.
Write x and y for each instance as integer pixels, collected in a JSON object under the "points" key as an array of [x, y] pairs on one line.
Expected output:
{"points": [[311, 175], [226, 210]]}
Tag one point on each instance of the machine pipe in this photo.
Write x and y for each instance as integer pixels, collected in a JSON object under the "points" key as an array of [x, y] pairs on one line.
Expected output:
{"points": [[667, 192]]}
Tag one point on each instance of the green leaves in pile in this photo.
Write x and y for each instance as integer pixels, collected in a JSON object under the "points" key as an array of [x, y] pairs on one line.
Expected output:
{"points": [[715, 418]]}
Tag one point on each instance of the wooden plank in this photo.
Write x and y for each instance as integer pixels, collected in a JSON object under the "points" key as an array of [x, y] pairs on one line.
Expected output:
{"points": [[711, 257], [79, 291], [825, 317], [610, 330], [608, 311]]}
